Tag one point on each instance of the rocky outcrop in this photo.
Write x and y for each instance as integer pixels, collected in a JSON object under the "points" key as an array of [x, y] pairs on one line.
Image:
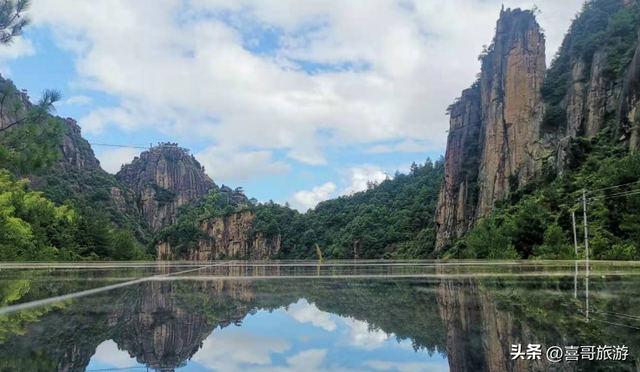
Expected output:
{"points": [[512, 108], [629, 103], [459, 193], [591, 96], [228, 237], [163, 179], [75, 150], [494, 140]]}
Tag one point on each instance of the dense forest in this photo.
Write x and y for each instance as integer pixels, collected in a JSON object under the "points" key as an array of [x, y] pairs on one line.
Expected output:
{"points": [[74, 210], [392, 219]]}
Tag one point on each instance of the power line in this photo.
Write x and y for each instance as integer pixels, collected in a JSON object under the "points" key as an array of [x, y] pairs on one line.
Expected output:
{"points": [[618, 195], [115, 145], [614, 187]]}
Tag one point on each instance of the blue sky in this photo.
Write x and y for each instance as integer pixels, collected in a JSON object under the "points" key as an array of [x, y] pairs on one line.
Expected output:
{"points": [[294, 102], [301, 337]]}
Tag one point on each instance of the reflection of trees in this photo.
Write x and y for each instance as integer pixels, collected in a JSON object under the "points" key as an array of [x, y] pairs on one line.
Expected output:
{"points": [[163, 323]]}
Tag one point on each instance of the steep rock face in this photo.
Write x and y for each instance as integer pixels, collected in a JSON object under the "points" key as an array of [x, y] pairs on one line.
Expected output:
{"points": [[629, 103], [590, 97], [75, 150], [512, 108], [163, 179], [494, 140], [228, 237], [458, 195]]}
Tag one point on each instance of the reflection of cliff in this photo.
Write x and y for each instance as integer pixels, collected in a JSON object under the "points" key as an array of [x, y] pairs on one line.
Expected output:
{"points": [[159, 333], [164, 323], [479, 336]]}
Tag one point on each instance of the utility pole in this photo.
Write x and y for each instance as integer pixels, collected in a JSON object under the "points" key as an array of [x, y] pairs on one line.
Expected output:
{"points": [[575, 235], [586, 229]]}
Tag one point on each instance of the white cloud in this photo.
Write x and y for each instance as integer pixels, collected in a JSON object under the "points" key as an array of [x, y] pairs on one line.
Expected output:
{"points": [[109, 353], [361, 337], [76, 101], [229, 165], [409, 146], [238, 351], [306, 199], [304, 312], [112, 160], [359, 176], [178, 69], [379, 365], [21, 47]]}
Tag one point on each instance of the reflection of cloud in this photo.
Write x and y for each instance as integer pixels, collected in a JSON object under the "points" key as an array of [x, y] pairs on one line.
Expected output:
{"points": [[309, 360], [362, 337], [108, 353], [304, 312], [229, 350], [379, 365]]}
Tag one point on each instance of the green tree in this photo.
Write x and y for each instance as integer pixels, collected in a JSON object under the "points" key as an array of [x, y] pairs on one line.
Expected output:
{"points": [[12, 19]]}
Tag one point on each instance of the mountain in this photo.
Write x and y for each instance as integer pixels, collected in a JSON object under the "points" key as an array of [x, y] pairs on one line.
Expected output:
{"points": [[521, 127], [163, 179], [495, 126]]}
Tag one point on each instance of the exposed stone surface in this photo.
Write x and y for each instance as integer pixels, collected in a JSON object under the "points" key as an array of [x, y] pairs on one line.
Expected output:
{"points": [[163, 179], [458, 195], [76, 151], [498, 122], [229, 237], [512, 108], [629, 103]]}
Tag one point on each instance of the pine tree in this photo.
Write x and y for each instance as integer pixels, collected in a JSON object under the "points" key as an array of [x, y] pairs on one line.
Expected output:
{"points": [[12, 19]]}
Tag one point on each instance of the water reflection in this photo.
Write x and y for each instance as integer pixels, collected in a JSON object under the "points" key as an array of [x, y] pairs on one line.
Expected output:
{"points": [[433, 323]]}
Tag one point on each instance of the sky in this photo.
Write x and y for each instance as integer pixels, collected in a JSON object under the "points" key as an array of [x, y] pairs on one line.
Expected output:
{"points": [[300, 337], [296, 101]]}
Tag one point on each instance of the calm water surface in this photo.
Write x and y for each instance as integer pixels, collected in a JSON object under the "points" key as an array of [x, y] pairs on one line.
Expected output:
{"points": [[301, 316]]}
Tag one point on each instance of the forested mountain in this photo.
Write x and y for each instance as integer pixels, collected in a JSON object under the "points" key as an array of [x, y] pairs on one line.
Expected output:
{"points": [[523, 143], [572, 127], [391, 219]]}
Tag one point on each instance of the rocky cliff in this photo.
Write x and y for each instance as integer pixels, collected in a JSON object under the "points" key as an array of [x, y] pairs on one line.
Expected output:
{"points": [[227, 237], [519, 119], [493, 142], [165, 178], [76, 175]]}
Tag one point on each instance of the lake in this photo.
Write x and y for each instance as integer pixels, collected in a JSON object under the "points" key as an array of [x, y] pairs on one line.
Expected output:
{"points": [[334, 316]]}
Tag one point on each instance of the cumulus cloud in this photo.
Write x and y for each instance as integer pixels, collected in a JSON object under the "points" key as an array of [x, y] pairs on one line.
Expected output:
{"points": [[76, 101], [306, 199], [21, 47], [230, 165], [112, 160], [305, 312], [376, 71], [108, 353], [357, 178], [409, 146]]}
